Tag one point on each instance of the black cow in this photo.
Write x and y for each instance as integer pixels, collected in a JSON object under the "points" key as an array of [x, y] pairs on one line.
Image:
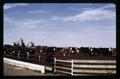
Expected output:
{"points": [[104, 51], [85, 50], [95, 51], [50, 55], [8, 49]]}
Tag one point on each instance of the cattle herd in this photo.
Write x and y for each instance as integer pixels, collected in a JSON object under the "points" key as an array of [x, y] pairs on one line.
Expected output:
{"points": [[45, 55]]}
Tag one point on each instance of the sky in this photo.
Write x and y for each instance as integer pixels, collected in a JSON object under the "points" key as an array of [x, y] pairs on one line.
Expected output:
{"points": [[61, 24]]}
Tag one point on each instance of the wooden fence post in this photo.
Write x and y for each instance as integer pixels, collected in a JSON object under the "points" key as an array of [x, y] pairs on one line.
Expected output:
{"points": [[39, 57], [72, 67], [54, 65], [28, 55]]}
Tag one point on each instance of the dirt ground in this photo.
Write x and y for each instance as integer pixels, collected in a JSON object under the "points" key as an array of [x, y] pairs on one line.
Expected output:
{"points": [[11, 70]]}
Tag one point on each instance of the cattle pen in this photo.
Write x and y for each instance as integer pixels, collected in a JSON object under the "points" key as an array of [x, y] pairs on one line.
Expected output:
{"points": [[65, 61]]}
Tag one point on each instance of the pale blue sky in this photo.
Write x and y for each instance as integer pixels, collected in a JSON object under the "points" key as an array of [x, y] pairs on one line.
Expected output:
{"points": [[61, 25]]}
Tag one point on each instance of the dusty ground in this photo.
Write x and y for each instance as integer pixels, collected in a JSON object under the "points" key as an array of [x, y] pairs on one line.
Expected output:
{"points": [[11, 70]]}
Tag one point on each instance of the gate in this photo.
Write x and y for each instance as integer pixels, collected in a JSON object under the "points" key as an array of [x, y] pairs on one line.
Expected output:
{"points": [[85, 67]]}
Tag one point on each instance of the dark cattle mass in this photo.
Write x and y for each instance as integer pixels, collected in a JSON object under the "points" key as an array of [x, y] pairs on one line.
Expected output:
{"points": [[46, 54]]}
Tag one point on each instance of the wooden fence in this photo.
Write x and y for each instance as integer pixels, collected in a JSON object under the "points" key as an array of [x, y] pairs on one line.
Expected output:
{"points": [[85, 67]]}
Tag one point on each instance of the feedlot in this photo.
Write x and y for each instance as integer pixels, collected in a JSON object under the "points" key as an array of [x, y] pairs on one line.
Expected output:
{"points": [[82, 61]]}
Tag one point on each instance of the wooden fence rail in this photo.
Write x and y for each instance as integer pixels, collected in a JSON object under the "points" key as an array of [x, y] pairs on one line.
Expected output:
{"points": [[85, 67]]}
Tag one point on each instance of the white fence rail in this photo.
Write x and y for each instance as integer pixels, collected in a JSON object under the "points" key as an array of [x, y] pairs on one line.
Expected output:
{"points": [[25, 64], [85, 67]]}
